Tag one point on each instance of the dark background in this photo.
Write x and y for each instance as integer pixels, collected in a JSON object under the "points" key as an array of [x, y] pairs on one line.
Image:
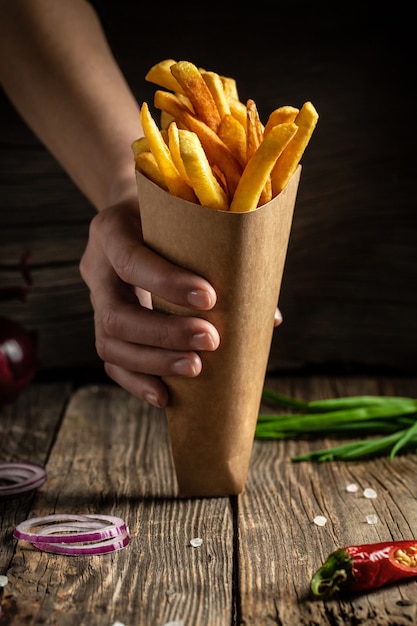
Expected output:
{"points": [[349, 297]]}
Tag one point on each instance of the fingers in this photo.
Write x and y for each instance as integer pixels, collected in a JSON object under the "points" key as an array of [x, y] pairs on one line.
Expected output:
{"points": [[151, 342], [118, 233], [148, 388], [138, 325], [277, 318], [137, 344]]}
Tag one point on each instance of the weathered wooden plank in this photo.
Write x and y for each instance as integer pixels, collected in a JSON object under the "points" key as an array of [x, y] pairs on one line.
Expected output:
{"points": [[59, 308], [112, 457], [49, 243], [35, 190], [279, 545], [27, 431]]}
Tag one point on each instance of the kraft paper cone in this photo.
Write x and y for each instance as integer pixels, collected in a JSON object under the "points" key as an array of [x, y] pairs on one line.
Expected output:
{"points": [[212, 418]]}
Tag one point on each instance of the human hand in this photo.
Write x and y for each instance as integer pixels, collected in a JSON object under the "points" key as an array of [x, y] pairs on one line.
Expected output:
{"points": [[139, 345]]}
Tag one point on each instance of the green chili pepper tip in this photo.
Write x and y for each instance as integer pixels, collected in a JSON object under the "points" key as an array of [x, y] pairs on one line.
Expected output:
{"points": [[333, 575]]}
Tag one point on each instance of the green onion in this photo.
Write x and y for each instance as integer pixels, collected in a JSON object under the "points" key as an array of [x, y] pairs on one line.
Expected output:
{"points": [[334, 404], [391, 416]]}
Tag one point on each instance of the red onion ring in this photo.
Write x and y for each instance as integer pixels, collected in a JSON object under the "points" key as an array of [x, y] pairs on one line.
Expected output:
{"points": [[23, 477], [92, 548], [82, 528], [74, 534]]}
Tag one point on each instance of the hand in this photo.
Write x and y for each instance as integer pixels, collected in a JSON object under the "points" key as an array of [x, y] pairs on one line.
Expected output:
{"points": [[139, 345]]}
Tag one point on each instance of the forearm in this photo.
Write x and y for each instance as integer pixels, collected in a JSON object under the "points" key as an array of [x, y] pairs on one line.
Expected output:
{"points": [[57, 69]]}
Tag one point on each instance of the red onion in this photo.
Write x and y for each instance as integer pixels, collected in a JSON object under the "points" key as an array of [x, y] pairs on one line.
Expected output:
{"points": [[75, 534], [19, 478], [93, 548], [18, 346], [18, 358]]}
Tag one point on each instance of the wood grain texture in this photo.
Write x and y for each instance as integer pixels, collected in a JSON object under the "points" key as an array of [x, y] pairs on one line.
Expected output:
{"points": [[279, 545], [27, 431], [111, 456]]}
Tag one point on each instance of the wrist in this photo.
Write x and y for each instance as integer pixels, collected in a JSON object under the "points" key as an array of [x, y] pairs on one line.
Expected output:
{"points": [[121, 189]]}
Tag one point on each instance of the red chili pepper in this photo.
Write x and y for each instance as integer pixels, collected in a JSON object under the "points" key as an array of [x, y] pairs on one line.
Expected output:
{"points": [[365, 567]]}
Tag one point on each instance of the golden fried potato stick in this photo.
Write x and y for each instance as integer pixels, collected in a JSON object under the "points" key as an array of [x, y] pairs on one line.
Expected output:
{"points": [[161, 75], [232, 133], [286, 165], [217, 152], [254, 129], [195, 88], [165, 120], [175, 183], [238, 110], [254, 137], [230, 87], [174, 148], [206, 186], [281, 115], [147, 165], [185, 100], [259, 167], [140, 145], [215, 84]]}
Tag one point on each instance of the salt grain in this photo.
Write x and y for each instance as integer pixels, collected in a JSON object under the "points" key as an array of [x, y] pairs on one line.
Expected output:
{"points": [[369, 493], [196, 542], [352, 487], [3, 581], [371, 519], [320, 520]]}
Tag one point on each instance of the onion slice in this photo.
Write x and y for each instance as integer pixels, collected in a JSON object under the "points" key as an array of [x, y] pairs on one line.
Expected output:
{"points": [[92, 548], [19, 478], [70, 528], [75, 534]]}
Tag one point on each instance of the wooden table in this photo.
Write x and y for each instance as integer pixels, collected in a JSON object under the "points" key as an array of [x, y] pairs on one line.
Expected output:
{"points": [[106, 452]]}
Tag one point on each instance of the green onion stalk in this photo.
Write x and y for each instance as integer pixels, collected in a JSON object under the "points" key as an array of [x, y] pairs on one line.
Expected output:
{"points": [[393, 418]]}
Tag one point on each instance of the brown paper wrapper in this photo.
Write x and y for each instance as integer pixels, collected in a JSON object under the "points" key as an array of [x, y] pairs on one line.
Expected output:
{"points": [[212, 418]]}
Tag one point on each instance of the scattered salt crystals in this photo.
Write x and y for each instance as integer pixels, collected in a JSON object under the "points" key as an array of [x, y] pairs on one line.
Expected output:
{"points": [[175, 623], [320, 520], [352, 487], [3, 581], [371, 519], [369, 493], [118, 624], [196, 542]]}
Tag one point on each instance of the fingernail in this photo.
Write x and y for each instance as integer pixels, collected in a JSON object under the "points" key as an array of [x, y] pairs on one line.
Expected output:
{"points": [[183, 367], [203, 341], [277, 318], [152, 399], [200, 299]]}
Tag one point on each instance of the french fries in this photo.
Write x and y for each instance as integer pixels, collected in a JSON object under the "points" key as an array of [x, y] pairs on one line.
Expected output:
{"points": [[146, 163], [175, 183], [195, 88], [286, 165], [217, 152], [215, 85], [206, 186], [255, 135], [233, 134], [257, 171], [213, 149], [279, 116]]}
